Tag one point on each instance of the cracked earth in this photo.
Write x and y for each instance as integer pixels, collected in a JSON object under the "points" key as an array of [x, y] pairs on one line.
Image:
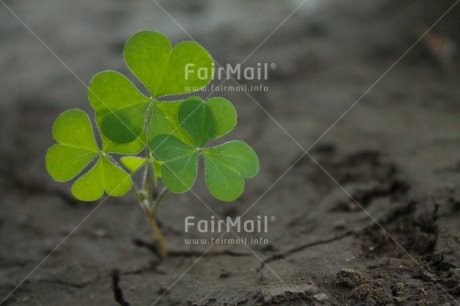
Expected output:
{"points": [[395, 154]]}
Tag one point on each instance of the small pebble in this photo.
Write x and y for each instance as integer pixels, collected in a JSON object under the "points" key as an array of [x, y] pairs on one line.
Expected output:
{"points": [[320, 297]]}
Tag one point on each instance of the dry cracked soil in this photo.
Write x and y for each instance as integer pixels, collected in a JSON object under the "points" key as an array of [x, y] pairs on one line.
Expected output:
{"points": [[358, 136]]}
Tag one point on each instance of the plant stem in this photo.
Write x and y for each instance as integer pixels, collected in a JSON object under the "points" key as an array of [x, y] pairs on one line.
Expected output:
{"points": [[159, 235], [154, 225], [150, 202], [148, 187], [159, 199]]}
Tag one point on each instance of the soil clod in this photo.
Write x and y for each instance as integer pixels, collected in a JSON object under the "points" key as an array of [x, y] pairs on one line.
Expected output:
{"points": [[349, 277]]}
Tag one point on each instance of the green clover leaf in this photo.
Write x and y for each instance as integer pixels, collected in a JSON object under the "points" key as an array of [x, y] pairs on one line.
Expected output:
{"points": [[165, 121], [179, 162], [164, 70], [120, 107], [104, 176], [226, 165], [75, 149], [133, 163], [206, 121]]}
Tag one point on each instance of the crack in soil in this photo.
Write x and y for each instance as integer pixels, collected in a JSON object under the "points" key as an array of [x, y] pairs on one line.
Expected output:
{"points": [[117, 292], [301, 248], [364, 197], [419, 234], [69, 284], [78, 285]]}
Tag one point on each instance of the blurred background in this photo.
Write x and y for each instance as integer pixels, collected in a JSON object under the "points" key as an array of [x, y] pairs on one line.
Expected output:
{"points": [[370, 88]]}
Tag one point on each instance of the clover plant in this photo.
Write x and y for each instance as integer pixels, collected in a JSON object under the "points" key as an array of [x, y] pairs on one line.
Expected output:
{"points": [[164, 138]]}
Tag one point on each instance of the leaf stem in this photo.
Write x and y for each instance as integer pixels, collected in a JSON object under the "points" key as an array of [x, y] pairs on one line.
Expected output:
{"points": [[162, 194], [148, 187], [138, 195]]}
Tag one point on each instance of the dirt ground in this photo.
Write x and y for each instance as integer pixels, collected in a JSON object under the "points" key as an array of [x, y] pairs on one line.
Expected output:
{"points": [[358, 138]]}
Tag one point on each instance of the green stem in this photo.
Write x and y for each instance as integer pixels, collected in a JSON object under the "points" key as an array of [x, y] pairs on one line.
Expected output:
{"points": [[150, 203], [159, 199], [147, 187], [159, 235], [138, 195]]}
